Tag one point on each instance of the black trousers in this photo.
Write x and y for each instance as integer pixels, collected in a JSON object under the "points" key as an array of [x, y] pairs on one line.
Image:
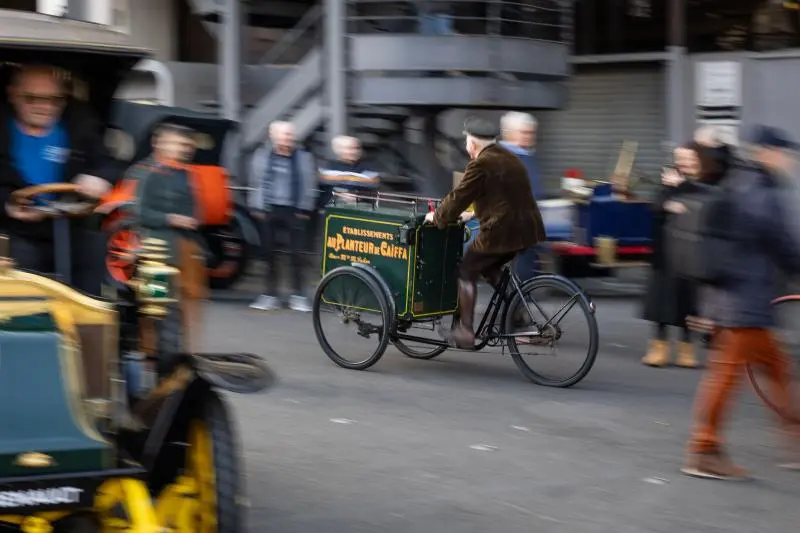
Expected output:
{"points": [[87, 268], [283, 219]]}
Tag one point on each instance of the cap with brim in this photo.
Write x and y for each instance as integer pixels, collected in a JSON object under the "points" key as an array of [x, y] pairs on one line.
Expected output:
{"points": [[480, 129], [773, 138]]}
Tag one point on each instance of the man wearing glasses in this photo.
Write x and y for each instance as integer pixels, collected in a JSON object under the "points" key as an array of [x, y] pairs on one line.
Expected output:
{"points": [[46, 141]]}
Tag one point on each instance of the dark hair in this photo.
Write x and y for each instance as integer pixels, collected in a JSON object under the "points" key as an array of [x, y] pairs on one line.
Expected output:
{"points": [[712, 165], [174, 129]]}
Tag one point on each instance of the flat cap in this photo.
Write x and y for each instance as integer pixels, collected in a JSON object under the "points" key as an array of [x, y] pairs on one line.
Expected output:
{"points": [[480, 128], [772, 138]]}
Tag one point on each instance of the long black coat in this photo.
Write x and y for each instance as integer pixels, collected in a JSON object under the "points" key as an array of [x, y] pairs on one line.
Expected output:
{"points": [[669, 299]]}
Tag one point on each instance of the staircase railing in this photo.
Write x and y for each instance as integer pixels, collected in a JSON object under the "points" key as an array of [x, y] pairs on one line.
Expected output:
{"points": [[539, 19], [306, 24]]}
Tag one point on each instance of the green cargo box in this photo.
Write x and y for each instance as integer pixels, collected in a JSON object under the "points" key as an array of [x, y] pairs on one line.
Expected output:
{"points": [[417, 261]]}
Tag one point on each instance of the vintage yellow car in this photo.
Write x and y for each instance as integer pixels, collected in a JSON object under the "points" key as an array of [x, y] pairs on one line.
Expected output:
{"points": [[104, 426]]}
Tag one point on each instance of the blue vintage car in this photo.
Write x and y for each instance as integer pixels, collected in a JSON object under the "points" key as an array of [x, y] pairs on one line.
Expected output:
{"points": [[573, 225]]}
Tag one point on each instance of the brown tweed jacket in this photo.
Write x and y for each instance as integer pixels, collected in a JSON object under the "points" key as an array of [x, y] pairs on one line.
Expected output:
{"points": [[497, 183]]}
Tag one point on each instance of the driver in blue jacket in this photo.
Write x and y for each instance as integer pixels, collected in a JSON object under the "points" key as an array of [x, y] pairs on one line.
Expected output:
{"points": [[48, 139]]}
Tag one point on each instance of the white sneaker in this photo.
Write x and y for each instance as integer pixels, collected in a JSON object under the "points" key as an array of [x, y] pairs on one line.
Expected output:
{"points": [[265, 302], [299, 303]]}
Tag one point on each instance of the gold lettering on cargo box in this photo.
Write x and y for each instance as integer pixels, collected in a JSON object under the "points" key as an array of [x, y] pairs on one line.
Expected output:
{"points": [[381, 245]]}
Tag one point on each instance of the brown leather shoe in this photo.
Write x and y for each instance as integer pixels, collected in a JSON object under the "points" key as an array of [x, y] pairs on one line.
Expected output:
{"points": [[714, 465]]}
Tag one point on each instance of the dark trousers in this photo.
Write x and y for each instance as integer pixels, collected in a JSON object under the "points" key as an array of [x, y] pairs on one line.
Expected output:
{"points": [[476, 264], [526, 264], [283, 219], [87, 248]]}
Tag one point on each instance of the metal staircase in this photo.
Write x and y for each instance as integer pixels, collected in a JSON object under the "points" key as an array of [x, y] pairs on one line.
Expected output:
{"points": [[295, 96], [407, 69]]}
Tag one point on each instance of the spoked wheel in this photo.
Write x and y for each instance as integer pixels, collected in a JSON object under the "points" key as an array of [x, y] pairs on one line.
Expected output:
{"points": [[787, 311], [420, 350], [121, 246], [212, 467], [352, 318], [563, 343]]}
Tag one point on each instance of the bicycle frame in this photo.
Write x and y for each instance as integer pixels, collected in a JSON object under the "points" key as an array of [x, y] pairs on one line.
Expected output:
{"points": [[499, 302]]}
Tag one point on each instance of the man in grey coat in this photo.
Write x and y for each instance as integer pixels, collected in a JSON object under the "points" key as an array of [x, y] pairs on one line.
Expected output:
{"points": [[283, 181]]}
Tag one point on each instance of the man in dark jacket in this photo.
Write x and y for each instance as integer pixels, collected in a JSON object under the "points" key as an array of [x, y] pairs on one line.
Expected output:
{"points": [[496, 182], [740, 307], [47, 141], [166, 209]]}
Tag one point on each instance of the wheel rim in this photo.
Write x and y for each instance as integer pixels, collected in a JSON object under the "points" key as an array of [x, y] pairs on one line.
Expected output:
{"points": [[121, 255], [787, 311], [566, 350], [352, 308], [200, 467]]}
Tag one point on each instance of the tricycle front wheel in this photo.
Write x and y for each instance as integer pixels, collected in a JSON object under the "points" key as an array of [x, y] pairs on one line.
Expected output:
{"points": [[350, 306], [562, 346]]}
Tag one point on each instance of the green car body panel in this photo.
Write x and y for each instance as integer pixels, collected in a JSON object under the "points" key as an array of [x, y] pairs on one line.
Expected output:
{"points": [[36, 402]]}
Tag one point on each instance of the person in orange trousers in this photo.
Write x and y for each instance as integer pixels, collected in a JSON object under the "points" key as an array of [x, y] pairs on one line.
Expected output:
{"points": [[734, 348], [763, 240]]}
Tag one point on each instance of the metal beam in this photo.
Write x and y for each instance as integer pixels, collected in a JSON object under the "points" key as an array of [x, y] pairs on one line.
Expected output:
{"points": [[676, 79], [644, 57], [77, 10], [335, 86], [230, 59]]}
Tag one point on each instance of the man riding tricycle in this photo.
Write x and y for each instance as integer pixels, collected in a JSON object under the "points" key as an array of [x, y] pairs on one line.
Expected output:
{"points": [[105, 427]]}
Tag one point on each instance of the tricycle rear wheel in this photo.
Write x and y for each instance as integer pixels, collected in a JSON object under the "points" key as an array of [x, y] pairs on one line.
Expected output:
{"points": [[423, 351], [351, 292]]}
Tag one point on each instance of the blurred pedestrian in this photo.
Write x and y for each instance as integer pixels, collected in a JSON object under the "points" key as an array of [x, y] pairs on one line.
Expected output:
{"points": [[670, 299], [283, 181], [348, 164], [518, 132], [740, 305]]}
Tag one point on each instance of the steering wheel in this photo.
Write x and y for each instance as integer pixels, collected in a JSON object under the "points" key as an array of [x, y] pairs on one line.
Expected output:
{"points": [[68, 201]]}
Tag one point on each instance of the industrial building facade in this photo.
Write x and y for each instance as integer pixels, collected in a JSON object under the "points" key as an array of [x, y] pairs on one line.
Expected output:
{"points": [[402, 75]]}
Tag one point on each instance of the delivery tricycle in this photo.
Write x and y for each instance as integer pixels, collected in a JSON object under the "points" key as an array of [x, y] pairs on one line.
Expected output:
{"points": [[105, 427], [388, 277]]}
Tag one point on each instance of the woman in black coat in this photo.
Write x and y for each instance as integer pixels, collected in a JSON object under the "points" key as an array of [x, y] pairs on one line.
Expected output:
{"points": [[670, 299]]}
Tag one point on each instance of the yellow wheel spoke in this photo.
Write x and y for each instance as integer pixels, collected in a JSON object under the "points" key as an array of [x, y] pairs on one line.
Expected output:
{"points": [[200, 463]]}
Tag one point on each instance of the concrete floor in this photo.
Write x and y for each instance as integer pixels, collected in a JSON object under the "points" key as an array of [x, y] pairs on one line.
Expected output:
{"points": [[464, 444]]}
